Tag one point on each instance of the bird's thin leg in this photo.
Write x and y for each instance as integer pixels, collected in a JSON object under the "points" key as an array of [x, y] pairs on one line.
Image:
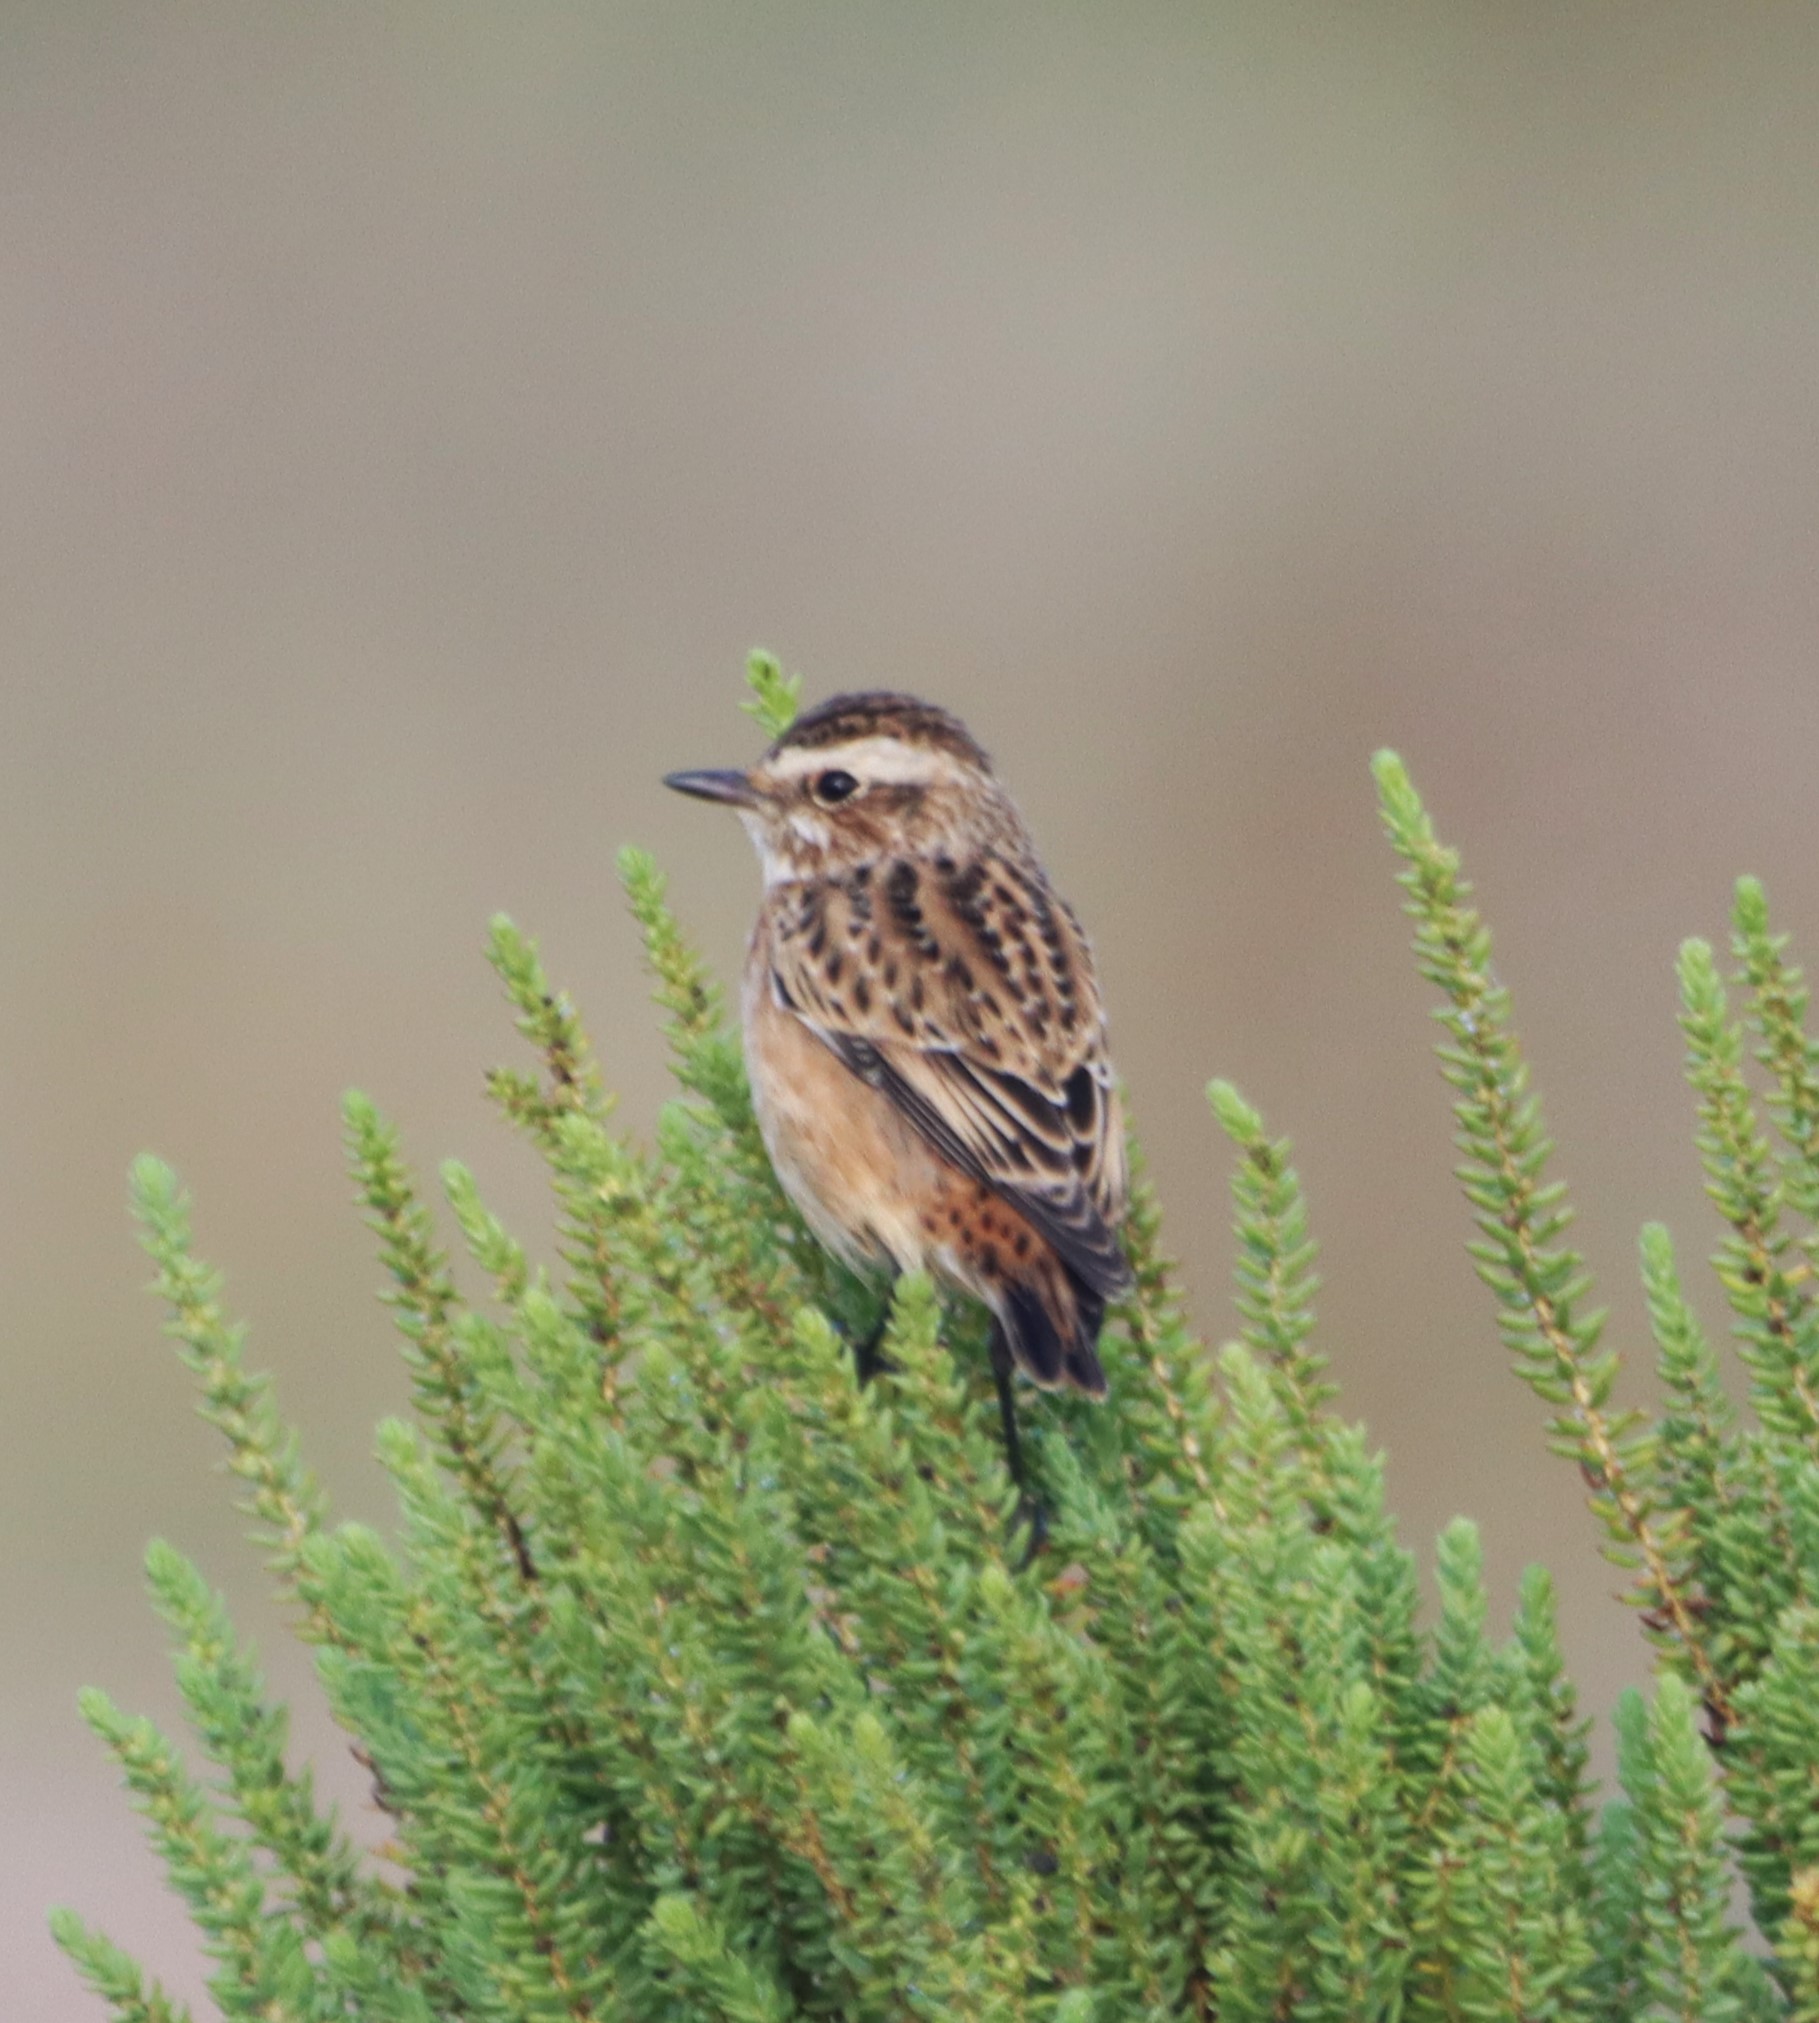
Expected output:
{"points": [[1002, 1366], [1028, 1506], [868, 1352]]}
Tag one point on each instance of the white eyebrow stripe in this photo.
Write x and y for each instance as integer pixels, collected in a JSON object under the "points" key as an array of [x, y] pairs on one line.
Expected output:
{"points": [[872, 761]]}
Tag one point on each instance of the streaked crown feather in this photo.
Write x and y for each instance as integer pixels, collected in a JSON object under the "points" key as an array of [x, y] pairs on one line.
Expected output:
{"points": [[880, 713]]}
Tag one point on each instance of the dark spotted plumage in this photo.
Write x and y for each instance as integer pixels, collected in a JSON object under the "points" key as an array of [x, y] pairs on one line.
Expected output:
{"points": [[998, 1057]]}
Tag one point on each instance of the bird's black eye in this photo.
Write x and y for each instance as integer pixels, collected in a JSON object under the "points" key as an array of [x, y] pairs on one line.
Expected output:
{"points": [[834, 786]]}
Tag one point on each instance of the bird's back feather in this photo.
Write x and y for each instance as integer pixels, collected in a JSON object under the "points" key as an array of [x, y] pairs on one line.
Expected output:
{"points": [[966, 993]]}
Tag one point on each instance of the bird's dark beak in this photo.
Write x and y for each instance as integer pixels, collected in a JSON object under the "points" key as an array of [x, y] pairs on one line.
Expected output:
{"points": [[733, 788]]}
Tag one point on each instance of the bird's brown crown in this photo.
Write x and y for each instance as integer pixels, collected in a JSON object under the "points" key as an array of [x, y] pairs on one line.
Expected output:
{"points": [[880, 713]]}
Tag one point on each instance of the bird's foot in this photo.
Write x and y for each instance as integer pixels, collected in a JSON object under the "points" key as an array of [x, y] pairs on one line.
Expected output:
{"points": [[1030, 1511], [869, 1358]]}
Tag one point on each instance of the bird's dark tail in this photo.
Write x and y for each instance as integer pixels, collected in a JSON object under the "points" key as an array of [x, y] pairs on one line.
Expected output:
{"points": [[1053, 1331]]}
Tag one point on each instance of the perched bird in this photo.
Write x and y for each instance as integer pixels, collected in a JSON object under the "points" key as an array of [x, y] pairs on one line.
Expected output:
{"points": [[923, 1030]]}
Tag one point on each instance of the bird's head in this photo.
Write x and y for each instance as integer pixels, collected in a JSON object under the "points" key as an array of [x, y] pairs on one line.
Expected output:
{"points": [[858, 779]]}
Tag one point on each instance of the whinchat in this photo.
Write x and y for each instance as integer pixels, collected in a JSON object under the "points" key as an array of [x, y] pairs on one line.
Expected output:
{"points": [[923, 1030]]}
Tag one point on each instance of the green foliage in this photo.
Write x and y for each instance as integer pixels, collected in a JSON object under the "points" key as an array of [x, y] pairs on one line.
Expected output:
{"points": [[775, 696], [116, 1978], [699, 1681]]}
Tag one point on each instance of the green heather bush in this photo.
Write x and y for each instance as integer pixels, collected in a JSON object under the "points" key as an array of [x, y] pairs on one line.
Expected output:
{"points": [[699, 1682]]}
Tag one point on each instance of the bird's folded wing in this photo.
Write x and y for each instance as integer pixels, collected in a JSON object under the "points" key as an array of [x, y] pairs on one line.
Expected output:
{"points": [[968, 998]]}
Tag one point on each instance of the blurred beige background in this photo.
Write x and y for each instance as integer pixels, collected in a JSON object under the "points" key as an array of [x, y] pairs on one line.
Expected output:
{"points": [[409, 416]]}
